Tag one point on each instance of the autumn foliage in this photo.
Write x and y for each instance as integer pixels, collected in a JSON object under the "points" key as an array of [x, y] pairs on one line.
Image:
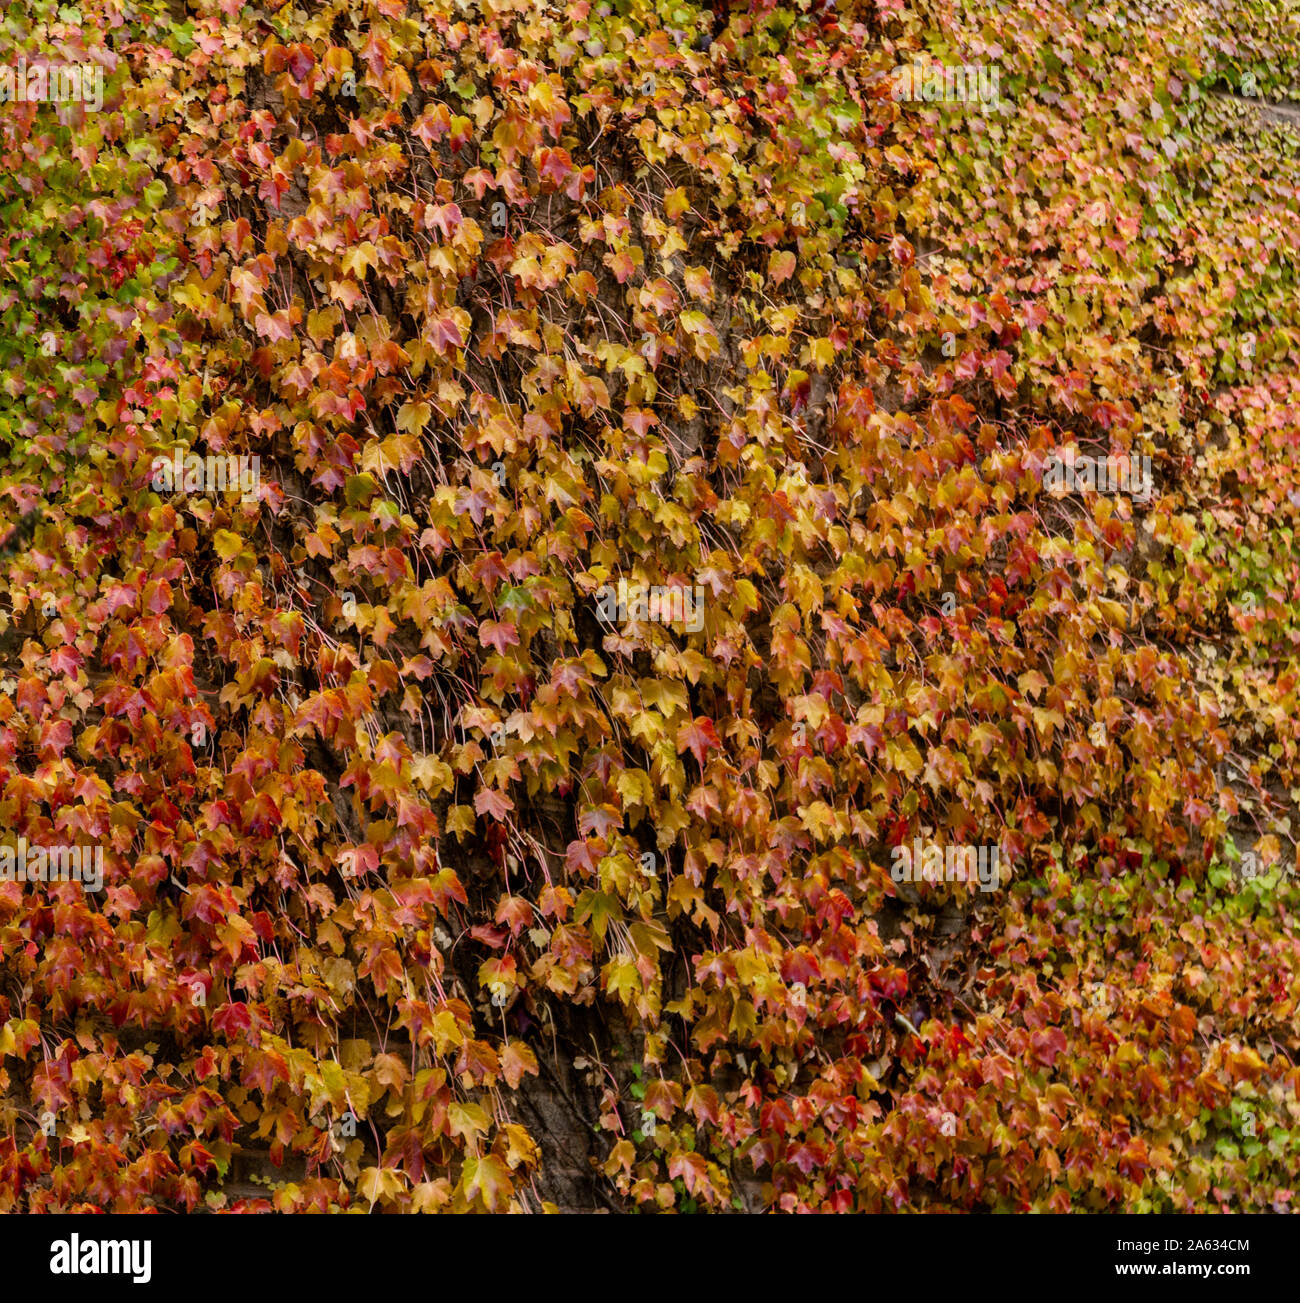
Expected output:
{"points": [[513, 299]]}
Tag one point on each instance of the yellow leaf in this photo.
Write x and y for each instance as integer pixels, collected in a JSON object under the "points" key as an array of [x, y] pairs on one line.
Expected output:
{"points": [[376, 1183], [780, 266], [228, 545], [517, 1060], [413, 417], [487, 1179], [467, 1120], [676, 202], [460, 820], [433, 775], [821, 352]]}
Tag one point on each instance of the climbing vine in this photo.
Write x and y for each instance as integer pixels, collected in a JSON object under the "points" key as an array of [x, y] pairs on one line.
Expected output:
{"points": [[649, 545]]}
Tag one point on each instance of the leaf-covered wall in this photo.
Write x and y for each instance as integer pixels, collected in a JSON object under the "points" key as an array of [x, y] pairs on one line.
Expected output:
{"points": [[429, 885]]}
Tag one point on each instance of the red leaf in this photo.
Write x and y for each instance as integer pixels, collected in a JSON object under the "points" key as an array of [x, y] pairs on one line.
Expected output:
{"points": [[491, 802], [498, 634], [699, 737]]}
